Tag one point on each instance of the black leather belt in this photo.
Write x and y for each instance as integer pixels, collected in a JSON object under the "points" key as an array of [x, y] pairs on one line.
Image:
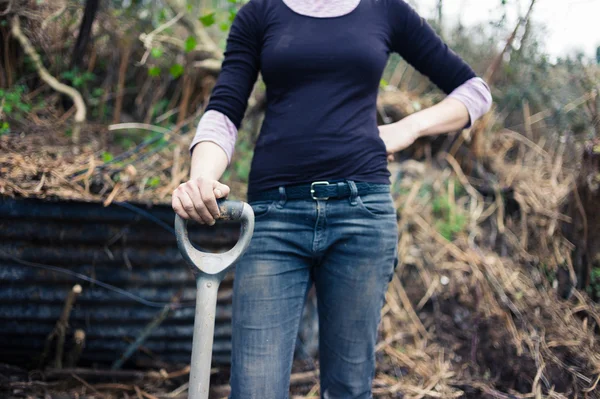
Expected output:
{"points": [[319, 190]]}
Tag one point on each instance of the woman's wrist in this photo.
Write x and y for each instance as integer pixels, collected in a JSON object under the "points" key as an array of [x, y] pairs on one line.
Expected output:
{"points": [[209, 161], [413, 125]]}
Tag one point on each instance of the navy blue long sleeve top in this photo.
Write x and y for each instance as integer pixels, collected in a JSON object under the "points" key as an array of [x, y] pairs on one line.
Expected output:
{"points": [[322, 77]]}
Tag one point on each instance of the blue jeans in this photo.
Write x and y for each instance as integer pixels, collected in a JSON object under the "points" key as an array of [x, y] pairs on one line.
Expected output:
{"points": [[347, 248]]}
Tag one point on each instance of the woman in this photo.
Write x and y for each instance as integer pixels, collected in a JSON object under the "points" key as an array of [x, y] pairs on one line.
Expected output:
{"points": [[319, 183]]}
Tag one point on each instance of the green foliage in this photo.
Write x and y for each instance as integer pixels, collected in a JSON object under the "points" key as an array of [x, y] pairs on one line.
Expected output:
{"points": [[176, 70], [156, 52], [208, 19], [450, 220], [4, 128], [154, 71], [77, 78], [125, 142], [97, 92], [154, 181], [13, 100], [594, 287], [190, 44], [13, 105], [107, 157]]}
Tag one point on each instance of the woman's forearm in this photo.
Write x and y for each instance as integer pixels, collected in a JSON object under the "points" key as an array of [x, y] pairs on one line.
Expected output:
{"points": [[446, 116], [209, 161]]}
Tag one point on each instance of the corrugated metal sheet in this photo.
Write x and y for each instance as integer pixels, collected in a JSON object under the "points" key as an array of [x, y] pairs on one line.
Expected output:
{"points": [[117, 246]]}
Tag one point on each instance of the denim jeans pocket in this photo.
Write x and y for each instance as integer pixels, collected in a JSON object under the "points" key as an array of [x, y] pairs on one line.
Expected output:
{"points": [[262, 208], [377, 205]]}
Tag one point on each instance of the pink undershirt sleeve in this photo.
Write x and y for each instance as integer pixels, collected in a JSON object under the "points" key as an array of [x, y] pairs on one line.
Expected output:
{"points": [[475, 95], [217, 128]]}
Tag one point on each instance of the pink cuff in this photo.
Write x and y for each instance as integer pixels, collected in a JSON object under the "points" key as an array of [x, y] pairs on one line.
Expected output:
{"points": [[217, 128], [476, 96]]}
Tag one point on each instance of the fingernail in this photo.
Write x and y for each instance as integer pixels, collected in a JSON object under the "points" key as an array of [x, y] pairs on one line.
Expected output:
{"points": [[212, 223], [218, 192]]}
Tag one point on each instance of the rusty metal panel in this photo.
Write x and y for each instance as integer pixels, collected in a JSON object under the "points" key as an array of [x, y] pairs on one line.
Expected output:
{"points": [[130, 248]]}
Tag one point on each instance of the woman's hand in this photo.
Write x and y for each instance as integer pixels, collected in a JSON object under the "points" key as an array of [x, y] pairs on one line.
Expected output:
{"points": [[197, 199], [398, 136]]}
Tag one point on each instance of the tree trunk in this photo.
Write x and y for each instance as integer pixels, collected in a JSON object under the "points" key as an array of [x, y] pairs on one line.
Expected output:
{"points": [[85, 32]]}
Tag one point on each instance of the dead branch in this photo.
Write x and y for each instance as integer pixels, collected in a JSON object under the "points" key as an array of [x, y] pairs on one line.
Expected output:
{"points": [[490, 73], [55, 15], [75, 352], [63, 323], [80, 115], [8, 8], [121, 83], [148, 39]]}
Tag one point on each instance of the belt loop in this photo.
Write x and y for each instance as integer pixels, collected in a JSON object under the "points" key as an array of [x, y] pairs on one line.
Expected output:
{"points": [[341, 188], [353, 192], [282, 197]]}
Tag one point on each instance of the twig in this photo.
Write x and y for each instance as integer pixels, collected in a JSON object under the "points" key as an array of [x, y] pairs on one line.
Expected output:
{"points": [[141, 393], [63, 323], [8, 8], [75, 352], [490, 73], [142, 126], [178, 391], [121, 82], [313, 390], [540, 116], [55, 15], [188, 89], [17, 189], [112, 194], [87, 385], [526, 141], [123, 387], [527, 119], [166, 115], [408, 306], [147, 39], [60, 329], [500, 209], [593, 387], [160, 317], [209, 65], [302, 378]]}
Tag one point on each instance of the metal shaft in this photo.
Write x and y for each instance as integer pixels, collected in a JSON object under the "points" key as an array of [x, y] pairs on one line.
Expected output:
{"points": [[204, 327]]}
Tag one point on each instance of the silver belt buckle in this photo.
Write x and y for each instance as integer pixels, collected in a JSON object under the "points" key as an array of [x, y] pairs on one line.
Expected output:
{"points": [[312, 190]]}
